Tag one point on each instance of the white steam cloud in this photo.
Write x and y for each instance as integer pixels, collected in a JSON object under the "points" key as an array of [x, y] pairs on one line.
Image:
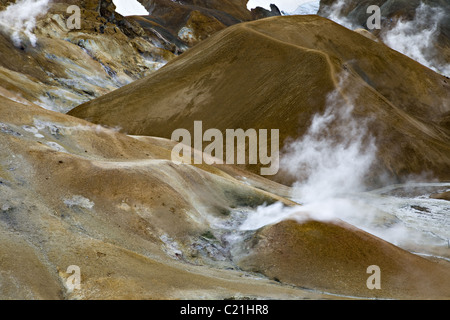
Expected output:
{"points": [[330, 162], [335, 13], [417, 38], [334, 156], [19, 19]]}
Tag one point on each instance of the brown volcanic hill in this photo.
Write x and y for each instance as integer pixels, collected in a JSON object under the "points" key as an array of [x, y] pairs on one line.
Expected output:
{"points": [[276, 73], [334, 257]]}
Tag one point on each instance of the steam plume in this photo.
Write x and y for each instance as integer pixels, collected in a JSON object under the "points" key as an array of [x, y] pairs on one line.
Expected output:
{"points": [[417, 38], [19, 19]]}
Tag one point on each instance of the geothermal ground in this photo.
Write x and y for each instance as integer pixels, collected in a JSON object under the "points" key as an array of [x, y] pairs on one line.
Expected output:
{"points": [[95, 203]]}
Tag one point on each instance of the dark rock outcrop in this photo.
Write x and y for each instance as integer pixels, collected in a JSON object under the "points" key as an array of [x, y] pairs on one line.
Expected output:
{"points": [[261, 13], [193, 20]]}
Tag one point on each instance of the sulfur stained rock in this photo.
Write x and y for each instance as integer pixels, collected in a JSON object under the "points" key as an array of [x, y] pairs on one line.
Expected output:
{"points": [[199, 27]]}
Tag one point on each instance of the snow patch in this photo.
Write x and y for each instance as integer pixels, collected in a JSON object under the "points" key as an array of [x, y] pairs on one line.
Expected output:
{"points": [[33, 130], [186, 34], [311, 7], [56, 146], [130, 8]]}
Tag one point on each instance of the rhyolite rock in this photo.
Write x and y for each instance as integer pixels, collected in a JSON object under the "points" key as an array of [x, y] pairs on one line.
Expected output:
{"points": [[261, 13], [67, 67], [137, 225]]}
